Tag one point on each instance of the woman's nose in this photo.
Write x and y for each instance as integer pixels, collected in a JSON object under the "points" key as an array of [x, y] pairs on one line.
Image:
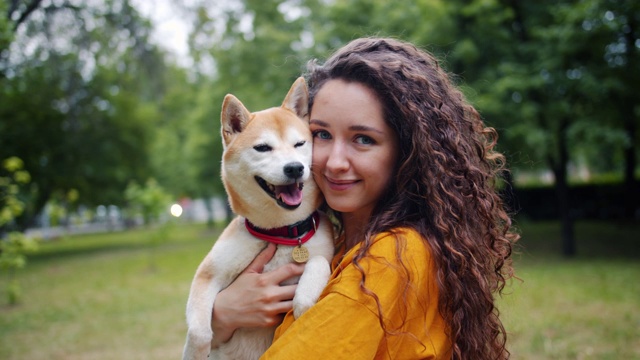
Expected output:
{"points": [[338, 158]]}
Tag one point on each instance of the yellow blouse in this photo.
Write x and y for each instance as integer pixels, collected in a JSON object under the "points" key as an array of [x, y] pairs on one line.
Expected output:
{"points": [[344, 323]]}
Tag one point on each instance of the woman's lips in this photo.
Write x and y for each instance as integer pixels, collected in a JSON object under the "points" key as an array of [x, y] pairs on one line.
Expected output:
{"points": [[340, 185]]}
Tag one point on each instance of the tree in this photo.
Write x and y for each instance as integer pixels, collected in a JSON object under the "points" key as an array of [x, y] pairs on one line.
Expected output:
{"points": [[611, 47], [78, 97], [563, 100], [528, 98]]}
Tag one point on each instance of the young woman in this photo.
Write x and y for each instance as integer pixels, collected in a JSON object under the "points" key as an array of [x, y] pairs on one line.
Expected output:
{"points": [[407, 167]]}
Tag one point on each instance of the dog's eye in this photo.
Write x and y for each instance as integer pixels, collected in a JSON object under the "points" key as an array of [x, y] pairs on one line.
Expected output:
{"points": [[300, 143], [262, 148]]}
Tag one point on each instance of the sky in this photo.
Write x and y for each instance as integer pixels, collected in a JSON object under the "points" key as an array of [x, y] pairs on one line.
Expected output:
{"points": [[171, 29]]}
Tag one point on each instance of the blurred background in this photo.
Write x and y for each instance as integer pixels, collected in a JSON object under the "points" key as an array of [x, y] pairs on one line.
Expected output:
{"points": [[109, 126]]}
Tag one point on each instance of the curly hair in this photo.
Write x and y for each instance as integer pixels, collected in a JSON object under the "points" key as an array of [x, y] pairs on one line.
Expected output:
{"points": [[444, 186]]}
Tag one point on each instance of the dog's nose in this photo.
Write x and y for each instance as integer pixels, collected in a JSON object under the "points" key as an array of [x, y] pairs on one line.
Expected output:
{"points": [[294, 170]]}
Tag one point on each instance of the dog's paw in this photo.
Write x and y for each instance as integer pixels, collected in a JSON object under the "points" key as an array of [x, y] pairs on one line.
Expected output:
{"points": [[312, 282], [299, 309], [198, 345]]}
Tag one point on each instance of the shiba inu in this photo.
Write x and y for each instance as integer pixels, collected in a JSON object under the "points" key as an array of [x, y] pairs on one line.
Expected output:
{"points": [[266, 171]]}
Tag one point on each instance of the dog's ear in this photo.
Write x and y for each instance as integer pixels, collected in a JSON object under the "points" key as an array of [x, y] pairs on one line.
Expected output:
{"points": [[234, 117], [297, 100]]}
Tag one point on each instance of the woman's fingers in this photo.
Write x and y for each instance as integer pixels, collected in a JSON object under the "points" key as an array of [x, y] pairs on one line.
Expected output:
{"points": [[283, 273], [255, 298], [278, 275]]}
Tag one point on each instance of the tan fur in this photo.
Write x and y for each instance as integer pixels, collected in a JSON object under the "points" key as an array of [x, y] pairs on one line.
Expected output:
{"points": [[284, 129]]}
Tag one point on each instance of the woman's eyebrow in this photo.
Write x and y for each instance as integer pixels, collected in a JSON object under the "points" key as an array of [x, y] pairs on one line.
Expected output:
{"points": [[352, 128], [319, 122], [365, 128]]}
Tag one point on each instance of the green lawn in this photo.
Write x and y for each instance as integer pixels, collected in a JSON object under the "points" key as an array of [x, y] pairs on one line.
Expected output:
{"points": [[587, 307], [115, 296]]}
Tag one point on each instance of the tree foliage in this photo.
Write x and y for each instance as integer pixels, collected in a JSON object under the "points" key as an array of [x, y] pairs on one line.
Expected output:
{"points": [[150, 200], [89, 103], [78, 90]]}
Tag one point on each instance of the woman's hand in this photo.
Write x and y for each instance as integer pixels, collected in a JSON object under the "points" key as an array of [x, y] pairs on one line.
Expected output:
{"points": [[254, 299]]}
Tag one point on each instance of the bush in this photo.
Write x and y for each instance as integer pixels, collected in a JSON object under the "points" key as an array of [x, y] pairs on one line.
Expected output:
{"points": [[14, 247]]}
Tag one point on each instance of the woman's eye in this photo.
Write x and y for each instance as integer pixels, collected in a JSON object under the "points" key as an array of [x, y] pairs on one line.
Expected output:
{"points": [[364, 140], [262, 148], [321, 134]]}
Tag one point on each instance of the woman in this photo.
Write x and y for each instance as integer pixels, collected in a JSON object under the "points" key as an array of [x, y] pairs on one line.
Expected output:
{"points": [[408, 169]]}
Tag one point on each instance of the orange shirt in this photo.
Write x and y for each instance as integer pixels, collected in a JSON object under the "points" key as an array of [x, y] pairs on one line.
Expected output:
{"points": [[344, 323]]}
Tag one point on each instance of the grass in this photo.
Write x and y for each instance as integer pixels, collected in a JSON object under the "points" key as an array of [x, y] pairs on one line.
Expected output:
{"points": [[105, 296], [119, 296], [587, 307]]}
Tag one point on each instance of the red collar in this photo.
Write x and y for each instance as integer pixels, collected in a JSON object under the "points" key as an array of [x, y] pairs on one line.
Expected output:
{"points": [[292, 235]]}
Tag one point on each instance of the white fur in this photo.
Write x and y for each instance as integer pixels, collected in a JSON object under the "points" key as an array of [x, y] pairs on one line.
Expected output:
{"points": [[236, 247]]}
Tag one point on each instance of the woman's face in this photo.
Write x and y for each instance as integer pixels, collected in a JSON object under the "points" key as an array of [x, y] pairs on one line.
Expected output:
{"points": [[354, 150]]}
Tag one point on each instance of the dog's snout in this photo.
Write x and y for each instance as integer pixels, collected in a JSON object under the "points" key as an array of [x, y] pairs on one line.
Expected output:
{"points": [[294, 170]]}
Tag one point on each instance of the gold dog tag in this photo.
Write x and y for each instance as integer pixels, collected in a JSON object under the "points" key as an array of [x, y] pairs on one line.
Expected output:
{"points": [[300, 254]]}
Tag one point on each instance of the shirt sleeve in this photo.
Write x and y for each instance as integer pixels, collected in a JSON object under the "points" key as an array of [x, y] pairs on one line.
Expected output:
{"points": [[337, 327]]}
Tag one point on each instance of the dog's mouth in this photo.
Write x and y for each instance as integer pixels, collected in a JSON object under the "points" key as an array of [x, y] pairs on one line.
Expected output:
{"points": [[287, 196]]}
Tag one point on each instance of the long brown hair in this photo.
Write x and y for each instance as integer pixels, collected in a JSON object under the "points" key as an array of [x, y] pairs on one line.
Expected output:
{"points": [[444, 186]]}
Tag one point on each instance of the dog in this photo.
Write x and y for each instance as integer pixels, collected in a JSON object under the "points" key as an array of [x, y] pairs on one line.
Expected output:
{"points": [[266, 172]]}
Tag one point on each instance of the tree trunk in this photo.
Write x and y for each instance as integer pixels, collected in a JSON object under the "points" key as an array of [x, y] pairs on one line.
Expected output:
{"points": [[562, 192], [632, 197], [630, 125], [208, 204], [30, 216]]}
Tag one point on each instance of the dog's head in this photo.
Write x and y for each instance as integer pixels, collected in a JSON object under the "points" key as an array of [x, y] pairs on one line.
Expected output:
{"points": [[266, 164]]}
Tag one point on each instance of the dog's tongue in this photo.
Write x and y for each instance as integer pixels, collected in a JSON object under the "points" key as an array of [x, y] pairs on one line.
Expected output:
{"points": [[289, 194]]}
